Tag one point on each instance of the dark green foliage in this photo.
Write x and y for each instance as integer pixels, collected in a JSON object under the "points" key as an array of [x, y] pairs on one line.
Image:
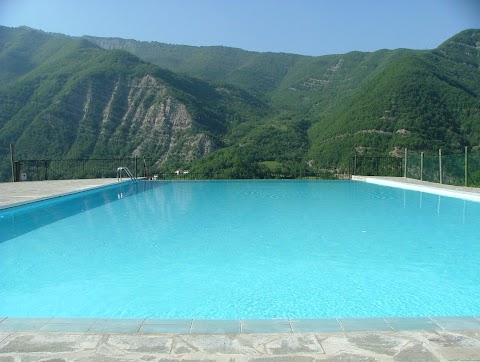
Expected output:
{"points": [[257, 72], [256, 115], [84, 102], [421, 101]]}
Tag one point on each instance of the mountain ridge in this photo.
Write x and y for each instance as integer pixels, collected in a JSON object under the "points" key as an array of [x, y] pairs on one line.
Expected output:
{"points": [[86, 102], [248, 110]]}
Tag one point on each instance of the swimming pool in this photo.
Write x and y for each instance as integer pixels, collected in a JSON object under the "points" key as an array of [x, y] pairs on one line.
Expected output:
{"points": [[241, 249]]}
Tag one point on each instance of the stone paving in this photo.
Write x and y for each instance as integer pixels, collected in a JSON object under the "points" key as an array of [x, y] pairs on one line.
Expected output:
{"points": [[436, 187], [13, 193], [354, 346]]}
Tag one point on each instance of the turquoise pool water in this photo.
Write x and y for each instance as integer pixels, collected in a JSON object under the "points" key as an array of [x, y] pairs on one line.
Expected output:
{"points": [[241, 249]]}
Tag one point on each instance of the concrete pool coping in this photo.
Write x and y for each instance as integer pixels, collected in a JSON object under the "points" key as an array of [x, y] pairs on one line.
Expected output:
{"points": [[408, 338], [462, 192], [144, 326]]}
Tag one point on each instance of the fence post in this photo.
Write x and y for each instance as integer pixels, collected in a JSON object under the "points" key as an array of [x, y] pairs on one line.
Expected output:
{"points": [[16, 171], [12, 161], [135, 166], [421, 165], [355, 164], [406, 163], [466, 166], [440, 164]]}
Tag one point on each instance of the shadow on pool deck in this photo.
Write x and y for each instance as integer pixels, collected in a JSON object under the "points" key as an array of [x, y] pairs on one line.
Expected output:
{"points": [[403, 339]]}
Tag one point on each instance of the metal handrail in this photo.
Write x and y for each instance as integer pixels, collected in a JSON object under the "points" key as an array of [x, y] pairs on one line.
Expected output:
{"points": [[127, 171]]}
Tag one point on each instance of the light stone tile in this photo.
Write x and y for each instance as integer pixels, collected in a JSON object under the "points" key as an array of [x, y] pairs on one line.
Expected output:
{"points": [[361, 320], [266, 326], [458, 322], [3, 336], [222, 344], [215, 326], [176, 321], [315, 327], [460, 325], [20, 327], [447, 339], [294, 344], [459, 353], [116, 325], [377, 342], [454, 319], [366, 327], [164, 328], [115, 328], [16, 320], [66, 327], [412, 323], [364, 324], [415, 352], [73, 320], [116, 321], [141, 344], [409, 320], [152, 326], [412, 326], [314, 320], [52, 343]]}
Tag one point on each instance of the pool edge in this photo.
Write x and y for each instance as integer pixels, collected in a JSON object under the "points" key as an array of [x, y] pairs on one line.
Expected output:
{"points": [[460, 192], [87, 188], [145, 326]]}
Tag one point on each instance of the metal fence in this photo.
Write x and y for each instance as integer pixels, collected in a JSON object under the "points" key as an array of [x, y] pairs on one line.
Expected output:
{"points": [[324, 175], [39, 170], [460, 168], [456, 168], [376, 166]]}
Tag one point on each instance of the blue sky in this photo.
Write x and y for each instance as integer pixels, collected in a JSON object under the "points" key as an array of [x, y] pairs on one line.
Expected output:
{"points": [[310, 27]]}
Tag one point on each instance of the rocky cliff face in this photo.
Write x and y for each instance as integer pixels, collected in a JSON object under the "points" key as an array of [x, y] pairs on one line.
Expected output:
{"points": [[85, 102], [133, 116]]}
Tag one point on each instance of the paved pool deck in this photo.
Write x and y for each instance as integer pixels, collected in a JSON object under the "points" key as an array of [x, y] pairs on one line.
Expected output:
{"points": [[472, 193], [17, 193], [355, 339]]}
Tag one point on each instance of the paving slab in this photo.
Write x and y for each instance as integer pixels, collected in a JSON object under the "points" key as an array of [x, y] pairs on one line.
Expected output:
{"points": [[17, 193], [344, 346]]}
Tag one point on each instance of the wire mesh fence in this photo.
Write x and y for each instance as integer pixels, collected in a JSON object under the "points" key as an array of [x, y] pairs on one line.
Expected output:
{"points": [[39, 170], [376, 166], [457, 168], [239, 175]]}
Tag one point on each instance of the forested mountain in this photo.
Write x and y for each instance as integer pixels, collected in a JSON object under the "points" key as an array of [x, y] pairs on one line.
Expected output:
{"points": [[67, 98], [219, 109], [256, 72]]}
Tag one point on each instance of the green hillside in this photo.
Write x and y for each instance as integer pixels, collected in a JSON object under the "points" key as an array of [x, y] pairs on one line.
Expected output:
{"points": [[85, 102], [235, 113], [255, 72], [423, 101]]}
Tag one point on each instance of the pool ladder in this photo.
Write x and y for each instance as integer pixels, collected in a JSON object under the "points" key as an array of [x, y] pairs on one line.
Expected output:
{"points": [[127, 171]]}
